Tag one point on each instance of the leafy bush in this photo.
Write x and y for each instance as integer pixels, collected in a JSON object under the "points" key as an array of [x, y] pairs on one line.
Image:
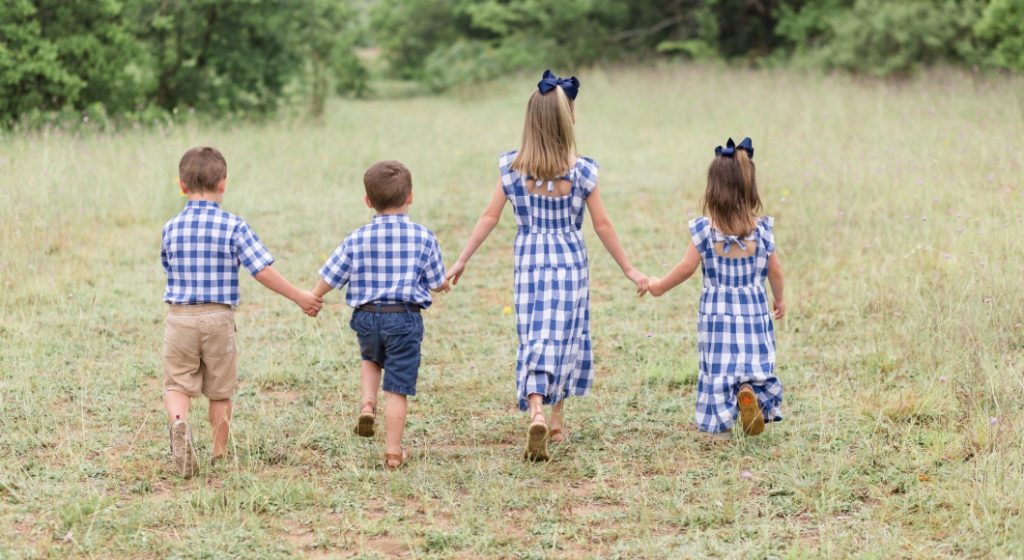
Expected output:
{"points": [[1002, 28], [891, 38], [115, 59]]}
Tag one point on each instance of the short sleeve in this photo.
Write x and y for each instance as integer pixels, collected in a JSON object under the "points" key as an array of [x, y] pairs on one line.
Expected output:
{"points": [[252, 254], [700, 230], [508, 176], [766, 228], [586, 169], [433, 269], [338, 268]]}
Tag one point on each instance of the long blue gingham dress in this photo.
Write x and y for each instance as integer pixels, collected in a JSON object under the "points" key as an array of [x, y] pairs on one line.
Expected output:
{"points": [[552, 285], [735, 335]]}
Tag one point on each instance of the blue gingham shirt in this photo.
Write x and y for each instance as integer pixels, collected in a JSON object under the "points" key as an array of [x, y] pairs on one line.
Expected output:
{"points": [[390, 260], [202, 248]]}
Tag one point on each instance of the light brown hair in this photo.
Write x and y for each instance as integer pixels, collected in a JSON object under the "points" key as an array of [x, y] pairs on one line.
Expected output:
{"points": [[731, 199], [549, 143], [388, 184], [201, 169]]}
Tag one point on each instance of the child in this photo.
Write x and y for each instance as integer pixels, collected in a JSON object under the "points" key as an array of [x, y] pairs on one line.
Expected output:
{"points": [[389, 266], [549, 186], [735, 336], [202, 248]]}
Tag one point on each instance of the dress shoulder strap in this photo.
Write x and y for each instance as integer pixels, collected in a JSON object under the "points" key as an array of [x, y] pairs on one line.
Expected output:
{"points": [[700, 233], [766, 230], [508, 176], [585, 172]]}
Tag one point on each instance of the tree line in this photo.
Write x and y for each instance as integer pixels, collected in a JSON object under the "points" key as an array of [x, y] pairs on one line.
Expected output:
{"points": [[144, 60]]}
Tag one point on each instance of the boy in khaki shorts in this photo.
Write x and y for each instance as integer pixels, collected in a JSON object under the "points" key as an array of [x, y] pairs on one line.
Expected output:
{"points": [[202, 248]]}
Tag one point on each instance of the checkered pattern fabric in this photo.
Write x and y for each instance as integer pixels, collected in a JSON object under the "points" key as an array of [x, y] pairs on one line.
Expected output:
{"points": [[201, 251], [735, 336], [552, 294], [390, 260]]}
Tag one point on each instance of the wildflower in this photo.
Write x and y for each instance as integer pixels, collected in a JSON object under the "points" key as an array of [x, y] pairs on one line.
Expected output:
{"points": [[942, 379], [993, 420], [746, 475], [507, 310]]}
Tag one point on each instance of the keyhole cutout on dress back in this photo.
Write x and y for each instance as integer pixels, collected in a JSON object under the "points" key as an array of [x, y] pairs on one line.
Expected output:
{"points": [[551, 189], [735, 251]]}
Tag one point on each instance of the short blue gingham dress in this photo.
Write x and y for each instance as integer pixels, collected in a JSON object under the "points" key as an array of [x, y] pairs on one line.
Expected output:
{"points": [[735, 336], [552, 285]]}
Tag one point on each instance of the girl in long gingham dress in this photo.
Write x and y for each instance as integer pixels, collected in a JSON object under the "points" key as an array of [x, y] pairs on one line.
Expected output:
{"points": [[550, 188], [735, 335]]}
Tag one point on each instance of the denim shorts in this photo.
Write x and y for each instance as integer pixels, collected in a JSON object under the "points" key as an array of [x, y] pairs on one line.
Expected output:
{"points": [[392, 341]]}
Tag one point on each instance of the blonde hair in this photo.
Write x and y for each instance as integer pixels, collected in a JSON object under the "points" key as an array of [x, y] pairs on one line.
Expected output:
{"points": [[731, 199], [549, 143]]}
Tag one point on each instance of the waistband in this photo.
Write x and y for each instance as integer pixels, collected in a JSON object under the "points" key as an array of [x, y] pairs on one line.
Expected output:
{"points": [[390, 307], [197, 308]]}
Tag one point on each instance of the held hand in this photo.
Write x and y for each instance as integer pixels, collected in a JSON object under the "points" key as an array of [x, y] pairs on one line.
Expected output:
{"points": [[640, 279], [655, 286], [309, 303], [444, 287], [455, 273], [779, 307]]}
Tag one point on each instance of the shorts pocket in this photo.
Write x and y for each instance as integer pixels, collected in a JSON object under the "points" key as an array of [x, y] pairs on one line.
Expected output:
{"points": [[397, 324], [219, 335], [361, 322]]}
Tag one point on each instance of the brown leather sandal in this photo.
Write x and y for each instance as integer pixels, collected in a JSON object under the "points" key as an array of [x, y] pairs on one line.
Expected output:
{"points": [[557, 435], [537, 440], [365, 423], [398, 458], [751, 417]]}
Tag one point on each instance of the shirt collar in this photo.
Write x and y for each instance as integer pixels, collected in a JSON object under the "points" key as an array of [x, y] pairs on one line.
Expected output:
{"points": [[202, 204], [387, 218]]}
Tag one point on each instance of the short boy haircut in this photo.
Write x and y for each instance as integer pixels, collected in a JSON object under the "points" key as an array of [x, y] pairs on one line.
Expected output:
{"points": [[388, 184], [201, 169]]}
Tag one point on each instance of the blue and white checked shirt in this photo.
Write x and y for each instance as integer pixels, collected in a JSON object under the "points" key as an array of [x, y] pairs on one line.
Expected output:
{"points": [[389, 260], [202, 248]]}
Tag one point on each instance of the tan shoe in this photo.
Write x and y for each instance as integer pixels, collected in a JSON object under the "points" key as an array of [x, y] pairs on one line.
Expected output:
{"points": [[395, 461], [183, 455], [537, 440], [365, 423], [751, 417]]}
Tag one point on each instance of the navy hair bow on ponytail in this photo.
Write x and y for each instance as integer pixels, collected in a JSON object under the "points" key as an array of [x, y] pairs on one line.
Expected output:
{"points": [[571, 86], [747, 145]]}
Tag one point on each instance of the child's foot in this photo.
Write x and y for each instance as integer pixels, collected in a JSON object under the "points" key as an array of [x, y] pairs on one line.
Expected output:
{"points": [[364, 425], [537, 439], [395, 461], [183, 455], [556, 431], [751, 417]]}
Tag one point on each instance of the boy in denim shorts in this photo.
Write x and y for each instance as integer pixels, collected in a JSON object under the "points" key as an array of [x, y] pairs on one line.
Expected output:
{"points": [[390, 266], [201, 250]]}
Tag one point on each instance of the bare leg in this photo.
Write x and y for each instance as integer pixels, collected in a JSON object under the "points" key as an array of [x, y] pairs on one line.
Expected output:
{"points": [[557, 422], [536, 407], [394, 423], [177, 405], [220, 421], [370, 377]]}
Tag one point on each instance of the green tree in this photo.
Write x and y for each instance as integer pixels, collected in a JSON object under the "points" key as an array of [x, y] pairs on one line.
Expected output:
{"points": [[1002, 29]]}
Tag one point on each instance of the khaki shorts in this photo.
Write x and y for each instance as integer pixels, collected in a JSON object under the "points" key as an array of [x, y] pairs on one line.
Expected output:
{"points": [[199, 351]]}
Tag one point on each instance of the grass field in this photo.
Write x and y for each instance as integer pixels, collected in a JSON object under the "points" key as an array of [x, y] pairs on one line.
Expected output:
{"points": [[899, 213]]}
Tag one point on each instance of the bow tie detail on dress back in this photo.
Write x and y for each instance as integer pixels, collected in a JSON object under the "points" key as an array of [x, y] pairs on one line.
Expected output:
{"points": [[729, 240]]}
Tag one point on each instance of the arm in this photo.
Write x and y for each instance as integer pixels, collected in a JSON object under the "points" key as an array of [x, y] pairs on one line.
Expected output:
{"points": [[321, 288], [606, 232], [775, 280], [680, 273], [275, 282], [484, 226]]}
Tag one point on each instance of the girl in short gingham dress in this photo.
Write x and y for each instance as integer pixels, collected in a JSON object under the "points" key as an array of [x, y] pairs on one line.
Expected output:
{"points": [[550, 188], [735, 335]]}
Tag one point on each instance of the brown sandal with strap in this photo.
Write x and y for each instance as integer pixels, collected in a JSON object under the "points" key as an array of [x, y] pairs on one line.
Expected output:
{"points": [[751, 417], [399, 458], [537, 440], [365, 423]]}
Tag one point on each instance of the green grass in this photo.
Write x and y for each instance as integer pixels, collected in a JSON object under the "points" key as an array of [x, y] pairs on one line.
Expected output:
{"points": [[899, 213]]}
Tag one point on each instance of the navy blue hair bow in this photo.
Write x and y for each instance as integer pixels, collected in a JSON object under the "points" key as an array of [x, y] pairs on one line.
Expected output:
{"points": [[747, 145], [571, 86]]}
